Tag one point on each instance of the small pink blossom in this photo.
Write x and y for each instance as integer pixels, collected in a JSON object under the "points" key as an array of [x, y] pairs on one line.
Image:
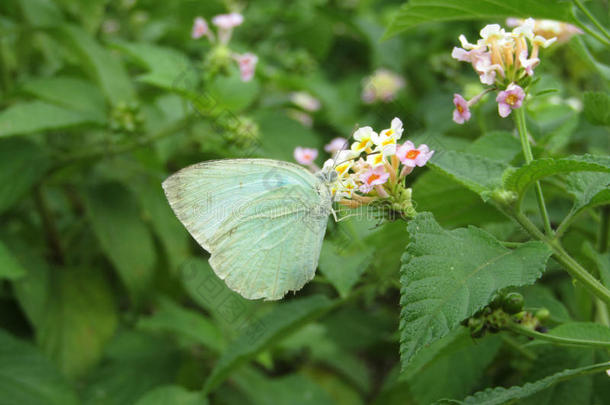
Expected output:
{"points": [[305, 156], [336, 145], [247, 64], [528, 64], [461, 113], [411, 157], [372, 178], [200, 28], [228, 21], [510, 99]]}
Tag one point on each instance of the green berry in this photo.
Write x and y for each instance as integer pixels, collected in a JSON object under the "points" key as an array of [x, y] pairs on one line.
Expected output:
{"points": [[543, 314], [513, 303]]}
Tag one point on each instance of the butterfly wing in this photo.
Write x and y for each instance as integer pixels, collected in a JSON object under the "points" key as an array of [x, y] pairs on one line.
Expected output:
{"points": [[263, 221]]}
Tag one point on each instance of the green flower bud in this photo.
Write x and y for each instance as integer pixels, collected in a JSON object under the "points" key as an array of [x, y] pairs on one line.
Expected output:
{"points": [[543, 314]]}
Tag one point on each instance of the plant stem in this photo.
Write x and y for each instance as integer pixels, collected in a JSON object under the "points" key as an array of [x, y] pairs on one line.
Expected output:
{"points": [[571, 265], [564, 341], [602, 237], [592, 18], [527, 153]]}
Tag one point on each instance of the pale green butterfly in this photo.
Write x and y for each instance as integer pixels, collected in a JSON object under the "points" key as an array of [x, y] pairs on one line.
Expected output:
{"points": [[262, 220]]}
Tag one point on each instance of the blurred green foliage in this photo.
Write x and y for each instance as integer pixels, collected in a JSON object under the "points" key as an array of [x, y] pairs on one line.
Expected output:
{"points": [[105, 299]]}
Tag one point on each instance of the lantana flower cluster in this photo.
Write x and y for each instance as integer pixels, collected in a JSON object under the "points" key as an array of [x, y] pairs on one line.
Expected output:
{"points": [[503, 60], [549, 28], [225, 23], [373, 169]]}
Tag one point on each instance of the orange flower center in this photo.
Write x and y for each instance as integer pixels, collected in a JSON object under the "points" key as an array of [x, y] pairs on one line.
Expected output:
{"points": [[372, 178], [412, 154], [460, 108], [511, 99], [306, 156], [363, 143], [389, 141]]}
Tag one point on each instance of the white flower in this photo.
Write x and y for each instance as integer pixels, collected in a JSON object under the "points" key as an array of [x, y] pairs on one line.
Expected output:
{"points": [[526, 28], [386, 140], [492, 32], [228, 21], [305, 100], [363, 137]]}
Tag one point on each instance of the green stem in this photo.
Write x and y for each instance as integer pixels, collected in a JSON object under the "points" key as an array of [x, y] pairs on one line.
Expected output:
{"points": [[527, 153], [602, 237], [571, 265], [592, 18], [564, 341]]}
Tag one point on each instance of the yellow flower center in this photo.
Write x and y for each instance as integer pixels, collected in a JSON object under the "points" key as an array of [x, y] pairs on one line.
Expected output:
{"points": [[460, 108], [389, 141]]}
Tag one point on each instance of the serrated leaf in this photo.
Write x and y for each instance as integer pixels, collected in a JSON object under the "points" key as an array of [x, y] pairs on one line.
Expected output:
{"points": [[27, 377], [116, 220], [79, 318], [10, 268], [520, 179], [449, 275], [501, 395], [417, 12], [22, 165], [588, 190], [474, 172], [597, 107], [38, 116], [105, 68], [261, 333], [184, 323], [70, 92], [172, 394]]}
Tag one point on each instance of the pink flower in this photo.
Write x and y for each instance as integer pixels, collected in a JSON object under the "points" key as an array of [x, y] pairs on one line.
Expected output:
{"points": [[510, 99], [228, 21], [461, 113], [247, 64], [336, 145], [373, 177], [305, 156], [528, 64], [200, 28], [411, 157]]}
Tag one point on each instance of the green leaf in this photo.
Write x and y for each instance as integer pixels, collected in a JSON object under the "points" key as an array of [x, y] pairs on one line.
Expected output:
{"points": [[135, 363], [80, 317], [577, 44], [417, 12], [273, 129], [33, 289], [501, 395], [41, 13], [343, 266], [10, 268], [463, 208], [472, 357], [22, 165], [474, 172], [172, 394], [27, 377], [262, 333], [588, 190], [501, 146], [231, 93], [69, 92], [104, 67], [601, 260], [597, 107], [583, 331], [116, 220], [184, 323], [175, 239], [228, 307], [520, 179], [37, 116], [167, 67], [293, 389], [449, 275]]}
